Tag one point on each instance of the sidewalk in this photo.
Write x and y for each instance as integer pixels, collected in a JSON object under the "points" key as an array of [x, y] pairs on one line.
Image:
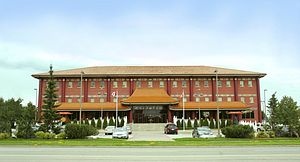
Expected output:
{"points": [[149, 136]]}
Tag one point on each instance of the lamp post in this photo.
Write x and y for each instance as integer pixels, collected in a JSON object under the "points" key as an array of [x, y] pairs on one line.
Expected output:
{"points": [[217, 102], [80, 97], [35, 115], [265, 112]]}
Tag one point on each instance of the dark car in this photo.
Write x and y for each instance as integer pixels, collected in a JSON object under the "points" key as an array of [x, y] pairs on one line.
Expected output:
{"points": [[171, 129]]}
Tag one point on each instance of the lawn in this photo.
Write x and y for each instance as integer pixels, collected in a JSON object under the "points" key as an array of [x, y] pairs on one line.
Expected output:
{"points": [[177, 142]]}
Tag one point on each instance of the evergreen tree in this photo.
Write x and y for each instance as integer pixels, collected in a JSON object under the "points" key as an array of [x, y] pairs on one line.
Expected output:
{"points": [[25, 121], [93, 123], [105, 123], [49, 113], [273, 110], [86, 121], [205, 122], [179, 125], [189, 124], [196, 123], [122, 122], [111, 122], [99, 123], [211, 124]]}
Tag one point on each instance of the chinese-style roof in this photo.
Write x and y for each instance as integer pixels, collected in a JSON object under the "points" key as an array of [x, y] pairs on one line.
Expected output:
{"points": [[107, 106], [125, 71], [211, 106], [149, 96]]}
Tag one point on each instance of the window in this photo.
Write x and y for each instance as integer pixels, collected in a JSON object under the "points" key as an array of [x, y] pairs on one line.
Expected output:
{"points": [[101, 99], [69, 100], [220, 99], [124, 84], [183, 83], [114, 99], [205, 83], [184, 99], [243, 99], [78, 84], [57, 84], [228, 83], [102, 84], [93, 84], [251, 99], [161, 84], [138, 84], [250, 83], [206, 99], [92, 100], [219, 83], [228, 99], [241, 83], [174, 84], [70, 84], [197, 83], [115, 84], [150, 84], [197, 99], [78, 99]]}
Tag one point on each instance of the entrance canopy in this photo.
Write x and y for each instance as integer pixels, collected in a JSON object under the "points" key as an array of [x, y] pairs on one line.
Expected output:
{"points": [[148, 96], [211, 106], [106, 106]]}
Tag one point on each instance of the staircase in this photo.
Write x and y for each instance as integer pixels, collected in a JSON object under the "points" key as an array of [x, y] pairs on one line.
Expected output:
{"points": [[148, 126]]}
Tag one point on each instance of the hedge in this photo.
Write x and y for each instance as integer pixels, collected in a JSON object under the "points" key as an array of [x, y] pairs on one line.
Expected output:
{"points": [[238, 131], [75, 131]]}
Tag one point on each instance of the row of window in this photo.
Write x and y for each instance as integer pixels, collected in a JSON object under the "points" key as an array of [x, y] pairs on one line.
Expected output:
{"points": [[162, 84], [197, 99]]}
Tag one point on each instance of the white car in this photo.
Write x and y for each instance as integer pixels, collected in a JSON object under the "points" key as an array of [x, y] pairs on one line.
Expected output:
{"points": [[128, 128], [109, 130], [120, 133]]}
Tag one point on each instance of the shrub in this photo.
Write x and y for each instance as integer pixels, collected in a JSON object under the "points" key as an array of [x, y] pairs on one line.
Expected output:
{"points": [[179, 125], [25, 131], [39, 134], [238, 131], [196, 123], [211, 124], [93, 123], [229, 123], [122, 122], [271, 134], [75, 121], [262, 134], [189, 124], [111, 122], [104, 123], [75, 131], [4, 135], [86, 121], [205, 122], [99, 123], [43, 135], [49, 135], [61, 135], [222, 123]]}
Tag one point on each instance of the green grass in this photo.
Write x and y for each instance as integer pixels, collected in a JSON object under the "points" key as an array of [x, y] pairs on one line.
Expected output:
{"points": [[177, 142]]}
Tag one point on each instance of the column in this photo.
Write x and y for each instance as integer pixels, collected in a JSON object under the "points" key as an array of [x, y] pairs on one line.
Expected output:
{"points": [[130, 116], [169, 86], [170, 118], [40, 99], [63, 90], [259, 115], [235, 83], [108, 90], [191, 89], [213, 89], [130, 87], [85, 92]]}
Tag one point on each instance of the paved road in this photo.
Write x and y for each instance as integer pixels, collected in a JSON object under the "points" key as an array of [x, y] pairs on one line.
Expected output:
{"points": [[74, 154]]}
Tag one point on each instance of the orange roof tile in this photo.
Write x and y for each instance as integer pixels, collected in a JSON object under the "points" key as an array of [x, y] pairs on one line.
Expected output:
{"points": [[107, 106], [118, 71], [211, 105], [150, 96]]}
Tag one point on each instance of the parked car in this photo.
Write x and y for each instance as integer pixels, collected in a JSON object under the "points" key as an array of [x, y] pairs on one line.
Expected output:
{"points": [[171, 128], [128, 128], [109, 130], [203, 132], [120, 132]]}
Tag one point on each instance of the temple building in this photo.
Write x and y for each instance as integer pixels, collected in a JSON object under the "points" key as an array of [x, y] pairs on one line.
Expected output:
{"points": [[156, 94]]}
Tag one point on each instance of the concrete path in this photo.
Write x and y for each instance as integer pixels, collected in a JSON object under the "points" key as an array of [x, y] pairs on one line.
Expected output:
{"points": [[149, 136]]}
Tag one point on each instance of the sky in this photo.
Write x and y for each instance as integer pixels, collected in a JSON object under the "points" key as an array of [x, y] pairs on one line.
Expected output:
{"points": [[261, 36]]}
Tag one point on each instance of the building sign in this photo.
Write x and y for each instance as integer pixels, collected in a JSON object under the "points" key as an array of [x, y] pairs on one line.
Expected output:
{"points": [[148, 107]]}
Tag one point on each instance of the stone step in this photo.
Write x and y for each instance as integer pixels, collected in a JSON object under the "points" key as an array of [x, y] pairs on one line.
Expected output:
{"points": [[148, 126]]}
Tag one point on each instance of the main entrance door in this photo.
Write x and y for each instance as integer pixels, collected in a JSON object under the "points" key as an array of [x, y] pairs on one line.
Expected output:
{"points": [[150, 114]]}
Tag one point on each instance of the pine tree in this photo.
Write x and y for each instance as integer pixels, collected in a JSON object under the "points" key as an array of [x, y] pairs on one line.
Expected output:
{"points": [[205, 122], [86, 121], [273, 110], [179, 125], [211, 124], [196, 123], [122, 122], [99, 123], [105, 123], [189, 124], [111, 122], [93, 123], [49, 113]]}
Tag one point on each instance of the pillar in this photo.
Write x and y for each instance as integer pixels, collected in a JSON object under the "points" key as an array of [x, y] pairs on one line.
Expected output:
{"points": [[235, 84], [130, 87], [170, 118], [130, 116], [108, 90], [85, 90], [191, 89], [63, 90], [168, 86], [213, 89], [259, 116], [40, 99]]}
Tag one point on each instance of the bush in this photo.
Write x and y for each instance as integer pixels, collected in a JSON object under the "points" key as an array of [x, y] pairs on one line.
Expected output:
{"points": [[43, 135], [229, 123], [61, 135], [104, 123], [222, 123], [189, 124], [179, 125], [122, 122], [25, 131], [111, 122], [196, 123], [211, 124], [86, 121], [75, 131], [205, 122], [93, 123], [271, 134], [75, 121], [238, 131], [262, 134], [4, 135], [99, 123]]}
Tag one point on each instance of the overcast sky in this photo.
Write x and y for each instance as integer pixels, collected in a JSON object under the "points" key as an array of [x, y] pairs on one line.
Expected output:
{"points": [[261, 36]]}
